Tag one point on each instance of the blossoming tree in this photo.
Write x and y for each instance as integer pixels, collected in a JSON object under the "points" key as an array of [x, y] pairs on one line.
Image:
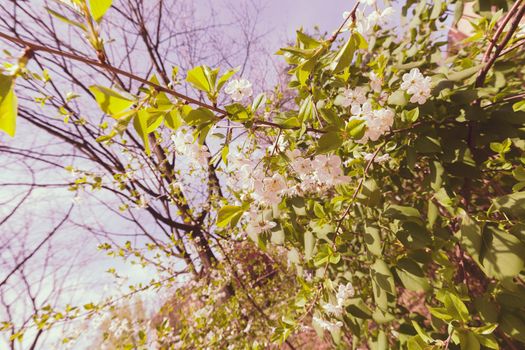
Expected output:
{"points": [[381, 206]]}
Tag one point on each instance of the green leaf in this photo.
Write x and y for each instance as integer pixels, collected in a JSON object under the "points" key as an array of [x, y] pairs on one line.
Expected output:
{"points": [[344, 57], [306, 110], [411, 275], [99, 8], [412, 115], [225, 77], [307, 41], [199, 79], [398, 98], [199, 116], [319, 210], [421, 332], [329, 142], [499, 253], [372, 239], [519, 106], [436, 10], [111, 102], [416, 343], [237, 112], [229, 215], [456, 307], [488, 341], [8, 105], [65, 19], [355, 128], [512, 204], [173, 119], [358, 308], [258, 101], [441, 313], [324, 255], [140, 122], [468, 341], [383, 276], [464, 74], [519, 173], [426, 144], [402, 212]]}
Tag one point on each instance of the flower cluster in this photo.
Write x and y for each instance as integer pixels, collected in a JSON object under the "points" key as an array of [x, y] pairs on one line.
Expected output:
{"points": [[185, 145], [353, 97], [318, 174], [257, 223], [365, 24], [378, 121], [269, 189], [344, 292], [415, 84], [329, 326], [378, 159], [238, 89]]}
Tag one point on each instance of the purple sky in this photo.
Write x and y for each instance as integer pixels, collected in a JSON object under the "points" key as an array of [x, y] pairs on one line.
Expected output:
{"points": [[285, 16]]}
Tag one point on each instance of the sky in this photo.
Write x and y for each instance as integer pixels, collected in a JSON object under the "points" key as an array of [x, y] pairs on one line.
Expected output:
{"points": [[285, 16]]}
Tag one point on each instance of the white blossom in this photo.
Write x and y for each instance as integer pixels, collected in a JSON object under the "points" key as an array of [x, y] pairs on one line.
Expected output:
{"points": [[376, 82], [415, 84], [336, 310], [268, 190], [293, 154], [302, 166], [258, 224], [353, 97], [344, 292], [377, 124], [329, 326], [185, 145], [238, 89], [362, 111], [365, 23], [317, 174], [378, 159], [328, 170]]}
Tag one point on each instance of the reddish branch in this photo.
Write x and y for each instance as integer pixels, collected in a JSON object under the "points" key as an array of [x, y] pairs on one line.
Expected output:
{"points": [[37, 47]]}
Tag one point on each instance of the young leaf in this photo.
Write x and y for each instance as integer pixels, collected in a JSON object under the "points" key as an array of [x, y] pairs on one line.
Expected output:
{"points": [[225, 77], [99, 8], [65, 19], [111, 102], [199, 79], [8, 105], [229, 214], [346, 54], [140, 122]]}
